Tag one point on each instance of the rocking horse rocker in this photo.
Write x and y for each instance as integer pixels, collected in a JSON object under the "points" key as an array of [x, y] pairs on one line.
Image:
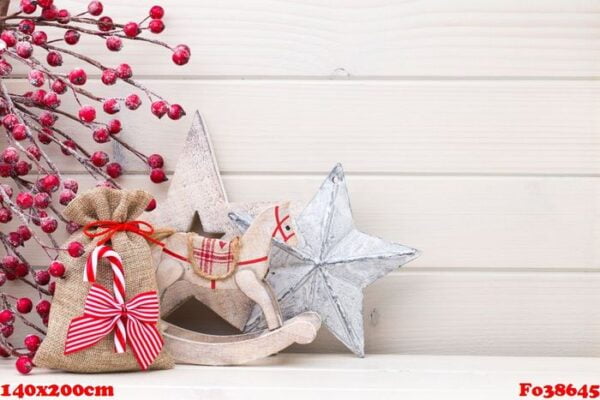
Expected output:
{"points": [[228, 277]]}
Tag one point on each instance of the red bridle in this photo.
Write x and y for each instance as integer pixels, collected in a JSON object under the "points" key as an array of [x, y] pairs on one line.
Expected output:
{"points": [[279, 228]]}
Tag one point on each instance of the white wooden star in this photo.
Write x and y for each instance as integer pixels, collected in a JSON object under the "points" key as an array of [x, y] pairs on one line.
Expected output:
{"points": [[197, 188]]}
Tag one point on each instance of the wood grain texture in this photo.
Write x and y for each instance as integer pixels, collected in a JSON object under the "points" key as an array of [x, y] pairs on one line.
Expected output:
{"points": [[457, 222], [482, 127], [298, 376], [357, 38], [471, 313]]}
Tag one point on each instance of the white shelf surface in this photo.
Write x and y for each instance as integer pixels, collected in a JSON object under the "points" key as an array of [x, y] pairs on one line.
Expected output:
{"points": [[335, 376]]}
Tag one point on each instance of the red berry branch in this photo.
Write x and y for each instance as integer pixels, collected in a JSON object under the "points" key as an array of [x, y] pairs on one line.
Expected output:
{"points": [[32, 188]]}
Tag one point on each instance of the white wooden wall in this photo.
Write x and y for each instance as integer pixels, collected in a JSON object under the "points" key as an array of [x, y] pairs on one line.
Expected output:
{"points": [[469, 129]]}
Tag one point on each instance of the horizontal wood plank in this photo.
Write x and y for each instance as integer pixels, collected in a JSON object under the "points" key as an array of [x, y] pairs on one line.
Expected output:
{"points": [[468, 313], [298, 376], [399, 127], [458, 222], [362, 38]]}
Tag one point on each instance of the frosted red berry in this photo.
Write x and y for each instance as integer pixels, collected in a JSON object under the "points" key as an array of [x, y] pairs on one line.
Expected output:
{"points": [[7, 330], [5, 215], [175, 111], [63, 16], [26, 26], [10, 155], [181, 55], [75, 249], [52, 287], [42, 277], [24, 305], [9, 38], [45, 3], [114, 170], [114, 126], [22, 168], [66, 196], [19, 132], [101, 135], [43, 308], [32, 342], [157, 175], [51, 100], [87, 113], [28, 6], [99, 159], [57, 269], [105, 24], [72, 227], [49, 224], [71, 184], [14, 239], [95, 8], [156, 26], [77, 76], [111, 106], [114, 43], [59, 86], [133, 101], [124, 71], [156, 12], [131, 29], [151, 205], [24, 232], [21, 270], [5, 68], [46, 118], [24, 365], [7, 316], [54, 59], [36, 77], [10, 262], [41, 200], [48, 183], [109, 76], [155, 161], [24, 200], [50, 13], [72, 37], [159, 108], [9, 121], [24, 49], [39, 38], [37, 96]]}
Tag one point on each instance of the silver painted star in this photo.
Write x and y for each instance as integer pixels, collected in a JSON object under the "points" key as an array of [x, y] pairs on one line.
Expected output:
{"points": [[331, 265]]}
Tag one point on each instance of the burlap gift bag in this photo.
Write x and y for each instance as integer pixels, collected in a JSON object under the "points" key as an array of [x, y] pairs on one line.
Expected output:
{"points": [[71, 291]]}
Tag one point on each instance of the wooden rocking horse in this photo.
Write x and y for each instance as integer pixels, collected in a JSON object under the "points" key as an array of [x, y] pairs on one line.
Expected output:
{"points": [[228, 277]]}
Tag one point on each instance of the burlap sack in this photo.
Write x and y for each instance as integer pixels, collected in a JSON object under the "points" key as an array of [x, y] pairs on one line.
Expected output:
{"points": [[71, 291]]}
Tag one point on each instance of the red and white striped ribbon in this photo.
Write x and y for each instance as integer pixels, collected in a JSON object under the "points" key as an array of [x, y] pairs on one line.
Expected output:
{"points": [[101, 314], [116, 264]]}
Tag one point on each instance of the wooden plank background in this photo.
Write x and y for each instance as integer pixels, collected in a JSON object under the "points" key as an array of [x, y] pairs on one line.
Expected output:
{"points": [[468, 129]]}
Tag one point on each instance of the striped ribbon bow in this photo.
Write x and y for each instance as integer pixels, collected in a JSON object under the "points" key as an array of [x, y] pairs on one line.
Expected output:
{"points": [[133, 322]]}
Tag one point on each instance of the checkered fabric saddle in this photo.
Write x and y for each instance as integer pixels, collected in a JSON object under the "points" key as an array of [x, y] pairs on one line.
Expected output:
{"points": [[213, 259]]}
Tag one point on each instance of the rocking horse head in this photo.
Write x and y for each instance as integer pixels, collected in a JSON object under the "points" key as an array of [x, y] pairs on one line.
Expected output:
{"points": [[214, 270]]}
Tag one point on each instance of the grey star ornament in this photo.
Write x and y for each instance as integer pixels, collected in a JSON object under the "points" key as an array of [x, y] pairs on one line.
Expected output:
{"points": [[332, 264], [196, 188]]}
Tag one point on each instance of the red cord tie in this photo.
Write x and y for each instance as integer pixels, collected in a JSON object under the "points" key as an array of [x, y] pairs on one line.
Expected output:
{"points": [[106, 229]]}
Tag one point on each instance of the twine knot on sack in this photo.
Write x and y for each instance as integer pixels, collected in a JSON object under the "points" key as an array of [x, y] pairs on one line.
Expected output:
{"points": [[106, 229]]}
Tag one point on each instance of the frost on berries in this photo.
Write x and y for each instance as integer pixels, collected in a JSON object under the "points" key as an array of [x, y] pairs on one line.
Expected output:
{"points": [[58, 113]]}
